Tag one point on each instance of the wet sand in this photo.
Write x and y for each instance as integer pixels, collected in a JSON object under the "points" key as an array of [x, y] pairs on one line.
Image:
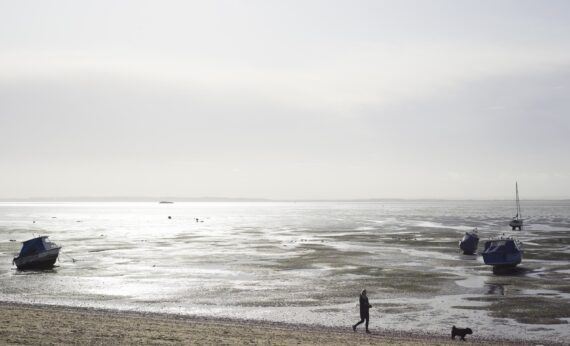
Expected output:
{"points": [[40, 324]]}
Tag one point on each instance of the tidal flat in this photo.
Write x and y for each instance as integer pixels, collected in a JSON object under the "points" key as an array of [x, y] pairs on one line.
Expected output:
{"points": [[300, 263]]}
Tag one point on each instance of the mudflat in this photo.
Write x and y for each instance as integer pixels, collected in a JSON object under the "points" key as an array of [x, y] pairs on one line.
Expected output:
{"points": [[300, 263]]}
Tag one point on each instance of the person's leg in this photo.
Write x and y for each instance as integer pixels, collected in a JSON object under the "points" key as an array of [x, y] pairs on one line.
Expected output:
{"points": [[354, 327], [367, 319]]}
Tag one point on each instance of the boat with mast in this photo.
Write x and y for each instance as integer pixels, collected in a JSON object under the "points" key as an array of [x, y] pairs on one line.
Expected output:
{"points": [[517, 221]]}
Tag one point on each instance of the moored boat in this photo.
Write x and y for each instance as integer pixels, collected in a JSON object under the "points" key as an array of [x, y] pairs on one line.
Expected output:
{"points": [[469, 242], [37, 253], [503, 252], [517, 221]]}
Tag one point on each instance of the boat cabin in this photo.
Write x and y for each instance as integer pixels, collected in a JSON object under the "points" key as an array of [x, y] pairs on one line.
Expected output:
{"points": [[35, 246]]}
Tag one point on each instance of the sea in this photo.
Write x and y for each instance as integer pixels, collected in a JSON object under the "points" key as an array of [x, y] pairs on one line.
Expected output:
{"points": [[300, 262]]}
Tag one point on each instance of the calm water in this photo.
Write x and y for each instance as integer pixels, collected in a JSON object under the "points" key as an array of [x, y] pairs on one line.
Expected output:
{"points": [[299, 262]]}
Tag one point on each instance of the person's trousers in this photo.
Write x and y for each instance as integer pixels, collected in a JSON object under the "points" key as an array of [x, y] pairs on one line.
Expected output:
{"points": [[362, 318]]}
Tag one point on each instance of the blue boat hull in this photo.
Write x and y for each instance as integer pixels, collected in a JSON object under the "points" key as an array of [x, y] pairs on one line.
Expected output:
{"points": [[502, 260], [44, 260]]}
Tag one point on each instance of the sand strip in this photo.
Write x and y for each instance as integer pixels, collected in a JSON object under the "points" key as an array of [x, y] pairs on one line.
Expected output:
{"points": [[40, 324]]}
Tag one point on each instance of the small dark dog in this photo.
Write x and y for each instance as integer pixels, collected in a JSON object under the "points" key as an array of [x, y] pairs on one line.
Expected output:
{"points": [[461, 332]]}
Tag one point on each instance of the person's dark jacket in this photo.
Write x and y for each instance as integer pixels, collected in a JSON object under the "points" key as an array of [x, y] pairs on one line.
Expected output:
{"points": [[364, 305]]}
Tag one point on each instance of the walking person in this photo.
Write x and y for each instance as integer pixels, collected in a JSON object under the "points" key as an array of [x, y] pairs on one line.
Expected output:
{"points": [[364, 311]]}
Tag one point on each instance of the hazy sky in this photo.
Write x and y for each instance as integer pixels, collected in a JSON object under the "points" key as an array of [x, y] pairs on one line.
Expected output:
{"points": [[285, 99]]}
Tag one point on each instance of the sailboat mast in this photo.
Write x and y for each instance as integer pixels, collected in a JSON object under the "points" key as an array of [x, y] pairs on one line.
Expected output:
{"points": [[518, 201]]}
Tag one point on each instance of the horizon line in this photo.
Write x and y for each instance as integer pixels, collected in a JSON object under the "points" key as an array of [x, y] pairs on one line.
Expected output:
{"points": [[252, 199]]}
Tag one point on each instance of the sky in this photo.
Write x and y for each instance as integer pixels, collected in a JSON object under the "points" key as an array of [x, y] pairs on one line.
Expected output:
{"points": [[285, 99]]}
